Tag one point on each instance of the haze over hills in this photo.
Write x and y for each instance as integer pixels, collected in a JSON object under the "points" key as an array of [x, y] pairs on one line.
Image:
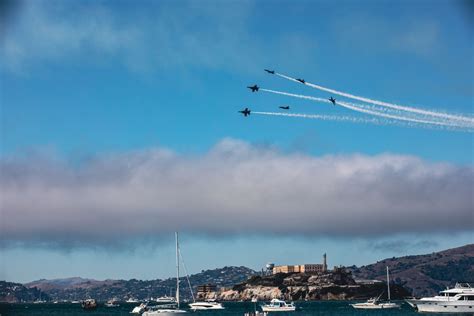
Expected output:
{"points": [[425, 274]]}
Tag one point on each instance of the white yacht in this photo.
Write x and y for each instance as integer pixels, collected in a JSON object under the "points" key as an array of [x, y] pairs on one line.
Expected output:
{"points": [[374, 303], [156, 310], [206, 305], [459, 299], [277, 305]]}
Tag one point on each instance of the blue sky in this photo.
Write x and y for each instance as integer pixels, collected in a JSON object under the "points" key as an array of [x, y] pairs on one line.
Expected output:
{"points": [[90, 87]]}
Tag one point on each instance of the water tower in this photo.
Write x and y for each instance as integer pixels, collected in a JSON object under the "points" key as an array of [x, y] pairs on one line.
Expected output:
{"points": [[270, 267]]}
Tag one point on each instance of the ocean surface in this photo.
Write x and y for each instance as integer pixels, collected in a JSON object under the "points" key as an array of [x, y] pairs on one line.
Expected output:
{"points": [[325, 308]]}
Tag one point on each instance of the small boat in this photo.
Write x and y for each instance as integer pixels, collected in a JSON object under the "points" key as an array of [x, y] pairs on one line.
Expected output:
{"points": [[132, 300], [89, 304], [166, 299], [139, 309], [277, 305], [112, 303], [459, 299], [206, 305], [373, 303]]}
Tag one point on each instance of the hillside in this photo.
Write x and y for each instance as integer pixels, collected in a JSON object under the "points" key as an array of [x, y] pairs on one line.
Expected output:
{"points": [[79, 288], [425, 274], [15, 293]]}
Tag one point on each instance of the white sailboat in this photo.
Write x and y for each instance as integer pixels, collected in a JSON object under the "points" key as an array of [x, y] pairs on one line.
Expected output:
{"points": [[374, 303], [169, 311]]}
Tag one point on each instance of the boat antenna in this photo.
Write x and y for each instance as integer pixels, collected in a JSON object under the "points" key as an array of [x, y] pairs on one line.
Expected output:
{"points": [[187, 276], [177, 269], [388, 285]]}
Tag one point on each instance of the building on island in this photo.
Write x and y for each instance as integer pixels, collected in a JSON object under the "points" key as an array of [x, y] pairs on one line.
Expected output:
{"points": [[303, 268]]}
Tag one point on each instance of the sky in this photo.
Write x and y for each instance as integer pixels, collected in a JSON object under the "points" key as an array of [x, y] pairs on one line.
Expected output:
{"points": [[119, 126]]}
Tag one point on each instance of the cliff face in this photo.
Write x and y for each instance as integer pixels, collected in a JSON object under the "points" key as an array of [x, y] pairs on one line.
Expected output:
{"points": [[336, 285]]}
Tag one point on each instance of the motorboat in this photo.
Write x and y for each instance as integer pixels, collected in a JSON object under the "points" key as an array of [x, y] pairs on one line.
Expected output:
{"points": [[277, 305], [161, 310], [132, 300], [139, 309], [112, 303], [166, 300], [206, 305], [459, 299], [89, 304], [374, 303]]}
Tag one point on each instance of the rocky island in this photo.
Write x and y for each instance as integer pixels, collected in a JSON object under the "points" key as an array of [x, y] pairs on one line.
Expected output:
{"points": [[331, 285]]}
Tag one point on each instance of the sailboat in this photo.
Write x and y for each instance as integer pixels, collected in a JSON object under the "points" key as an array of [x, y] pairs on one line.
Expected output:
{"points": [[374, 303], [170, 311]]}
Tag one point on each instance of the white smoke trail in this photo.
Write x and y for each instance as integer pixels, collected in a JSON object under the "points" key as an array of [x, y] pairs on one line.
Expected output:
{"points": [[363, 109], [296, 95], [386, 104], [323, 117]]}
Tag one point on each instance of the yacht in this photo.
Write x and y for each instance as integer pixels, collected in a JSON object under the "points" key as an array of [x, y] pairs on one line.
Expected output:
{"points": [[459, 299], [209, 304], [161, 311], [374, 303], [277, 305]]}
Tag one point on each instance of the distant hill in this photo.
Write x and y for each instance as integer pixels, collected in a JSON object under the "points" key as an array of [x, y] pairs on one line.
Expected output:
{"points": [[15, 293], [78, 288], [424, 274]]}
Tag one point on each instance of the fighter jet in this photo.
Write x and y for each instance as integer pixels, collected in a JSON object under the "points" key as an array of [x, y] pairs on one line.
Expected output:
{"points": [[302, 81], [245, 112], [332, 100], [270, 71], [253, 88], [285, 107]]}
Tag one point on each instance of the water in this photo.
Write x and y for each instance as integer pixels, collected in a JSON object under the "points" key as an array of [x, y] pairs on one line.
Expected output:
{"points": [[321, 308]]}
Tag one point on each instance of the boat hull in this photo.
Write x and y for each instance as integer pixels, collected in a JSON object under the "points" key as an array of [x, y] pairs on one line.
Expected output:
{"points": [[375, 306], [278, 309], [452, 307]]}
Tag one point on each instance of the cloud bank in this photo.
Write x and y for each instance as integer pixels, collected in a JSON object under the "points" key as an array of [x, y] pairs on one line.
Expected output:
{"points": [[235, 188]]}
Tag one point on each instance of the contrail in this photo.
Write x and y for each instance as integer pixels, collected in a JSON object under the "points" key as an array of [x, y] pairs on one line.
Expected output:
{"points": [[360, 108], [385, 104], [296, 95], [323, 117]]}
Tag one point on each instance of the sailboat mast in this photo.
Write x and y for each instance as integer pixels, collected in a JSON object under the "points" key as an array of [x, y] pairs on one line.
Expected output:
{"points": [[388, 285], [177, 269]]}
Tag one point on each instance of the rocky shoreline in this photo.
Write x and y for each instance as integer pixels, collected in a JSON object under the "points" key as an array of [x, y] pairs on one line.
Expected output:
{"points": [[335, 285]]}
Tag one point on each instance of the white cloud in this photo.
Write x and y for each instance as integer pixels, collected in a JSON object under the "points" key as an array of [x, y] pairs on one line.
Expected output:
{"points": [[235, 188], [162, 35]]}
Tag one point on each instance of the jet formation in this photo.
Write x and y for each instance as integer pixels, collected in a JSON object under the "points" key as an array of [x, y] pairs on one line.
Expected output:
{"points": [[255, 88]]}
